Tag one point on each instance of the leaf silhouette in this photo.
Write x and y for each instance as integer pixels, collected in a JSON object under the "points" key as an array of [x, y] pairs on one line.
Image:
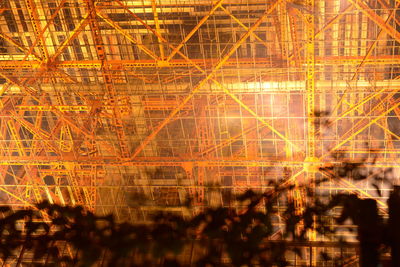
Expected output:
{"points": [[377, 189]]}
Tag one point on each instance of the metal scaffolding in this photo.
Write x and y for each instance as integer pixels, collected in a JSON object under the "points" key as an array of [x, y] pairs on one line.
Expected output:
{"points": [[104, 100]]}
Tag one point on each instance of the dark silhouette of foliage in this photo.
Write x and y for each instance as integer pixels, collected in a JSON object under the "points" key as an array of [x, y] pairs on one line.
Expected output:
{"points": [[242, 235], [392, 232]]}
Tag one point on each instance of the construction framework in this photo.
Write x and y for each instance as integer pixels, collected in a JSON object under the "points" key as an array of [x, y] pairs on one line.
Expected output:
{"points": [[106, 102]]}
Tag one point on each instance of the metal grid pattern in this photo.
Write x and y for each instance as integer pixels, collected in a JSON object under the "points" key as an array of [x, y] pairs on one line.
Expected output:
{"points": [[132, 106]]}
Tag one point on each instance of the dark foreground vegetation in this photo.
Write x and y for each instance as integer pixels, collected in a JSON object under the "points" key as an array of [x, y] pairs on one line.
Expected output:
{"points": [[54, 235]]}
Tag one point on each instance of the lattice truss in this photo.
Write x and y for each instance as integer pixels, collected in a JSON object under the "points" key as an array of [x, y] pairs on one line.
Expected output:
{"points": [[104, 102]]}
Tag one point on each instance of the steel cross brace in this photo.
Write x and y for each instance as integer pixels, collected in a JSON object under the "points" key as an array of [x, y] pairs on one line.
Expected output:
{"points": [[208, 77], [40, 33], [32, 10], [362, 128], [98, 41], [367, 55], [364, 8]]}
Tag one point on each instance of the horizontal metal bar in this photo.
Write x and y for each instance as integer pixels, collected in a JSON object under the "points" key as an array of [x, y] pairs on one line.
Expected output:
{"points": [[149, 63]]}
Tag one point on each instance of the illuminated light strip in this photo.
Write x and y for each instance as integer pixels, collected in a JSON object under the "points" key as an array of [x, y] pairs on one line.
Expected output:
{"points": [[145, 63]]}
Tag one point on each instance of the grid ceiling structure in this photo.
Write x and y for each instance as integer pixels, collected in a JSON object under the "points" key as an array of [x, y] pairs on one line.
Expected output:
{"points": [[103, 102]]}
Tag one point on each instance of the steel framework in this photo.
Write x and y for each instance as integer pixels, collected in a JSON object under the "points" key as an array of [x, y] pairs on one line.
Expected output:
{"points": [[104, 100]]}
